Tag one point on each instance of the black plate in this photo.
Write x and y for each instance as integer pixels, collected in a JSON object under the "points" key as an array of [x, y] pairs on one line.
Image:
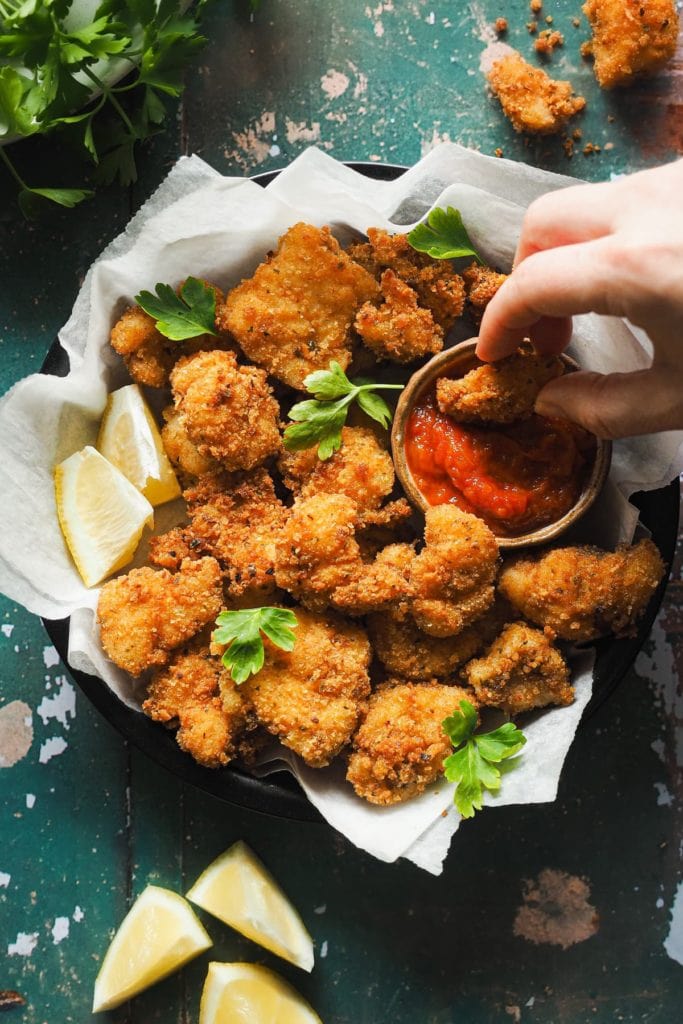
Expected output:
{"points": [[279, 794]]}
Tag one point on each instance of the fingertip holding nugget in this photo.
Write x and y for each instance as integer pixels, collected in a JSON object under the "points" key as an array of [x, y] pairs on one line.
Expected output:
{"points": [[532, 101]]}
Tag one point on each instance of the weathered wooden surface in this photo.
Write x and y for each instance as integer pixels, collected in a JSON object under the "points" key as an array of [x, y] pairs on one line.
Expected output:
{"points": [[84, 829]]}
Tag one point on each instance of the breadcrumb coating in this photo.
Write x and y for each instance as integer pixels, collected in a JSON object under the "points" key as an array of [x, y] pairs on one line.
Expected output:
{"points": [[400, 746], [481, 284], [294, 315], [520, 671], [379, 585], [532, 101], [312, 696], [501, 392], [147, 613], [630, 38], [398, 329], [228, 411], [582, 593], [185, 456]]}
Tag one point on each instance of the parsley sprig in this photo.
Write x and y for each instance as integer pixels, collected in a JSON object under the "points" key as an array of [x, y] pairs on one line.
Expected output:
{"points": [[185, 315], [51, 79], [242, 631], [443, 236], [319, 421], [473, 766]]}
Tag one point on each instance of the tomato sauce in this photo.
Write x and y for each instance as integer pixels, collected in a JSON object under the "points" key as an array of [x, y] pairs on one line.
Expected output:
{"points": [[518, 477]]}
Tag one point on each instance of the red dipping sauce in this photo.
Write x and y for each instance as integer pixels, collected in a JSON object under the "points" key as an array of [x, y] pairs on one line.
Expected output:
{"points": [[516, 477]]}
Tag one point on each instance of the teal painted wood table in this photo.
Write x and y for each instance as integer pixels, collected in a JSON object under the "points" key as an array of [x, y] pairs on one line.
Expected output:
{"points": [[552, 914]]}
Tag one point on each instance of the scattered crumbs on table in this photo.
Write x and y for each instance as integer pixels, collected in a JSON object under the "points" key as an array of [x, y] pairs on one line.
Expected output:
{"points": [[590, 148], [321, 909], [498, 152], [78, 914], [4, 880], [576, 22], [61, 706], [60, 930], [50, 656], [531, 27], [16, 732], [7, 629], [500, 25], [323, 949], [24, 945], [535, 6], [30, 800], [673, 943], [52, 747], [9, 999]]}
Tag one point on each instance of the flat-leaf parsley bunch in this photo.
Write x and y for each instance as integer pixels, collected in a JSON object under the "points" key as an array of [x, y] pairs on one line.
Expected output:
{"points": [[242, 630]]}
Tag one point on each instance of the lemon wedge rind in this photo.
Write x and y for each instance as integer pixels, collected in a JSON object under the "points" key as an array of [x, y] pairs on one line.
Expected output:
{"points": [[239, 993]]}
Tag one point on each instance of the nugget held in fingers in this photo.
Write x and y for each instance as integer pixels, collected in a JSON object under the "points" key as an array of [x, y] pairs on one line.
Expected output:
{"points": [[398, 329], [583, 593], [520, 671], [311, 697], [145, 614], [400, 746], [532, 100], [228, 411], [631, 37], [500, 392]]}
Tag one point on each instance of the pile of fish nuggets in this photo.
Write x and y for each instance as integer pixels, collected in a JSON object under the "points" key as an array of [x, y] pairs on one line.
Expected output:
{"points": [[398, 619]]}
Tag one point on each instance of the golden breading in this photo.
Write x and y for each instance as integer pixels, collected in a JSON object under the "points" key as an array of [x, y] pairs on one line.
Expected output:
{"points": [[362, 469], [390, 524], [145, 614], [520, 671], [185, 456], [532, 100], [481, 284], [630, 37], [501, 392], [452, 578], [439, 288], [311, 697], [236, 519], [198, 695], [398, 329], [583, 593], [378, 585], [228, 411], [148, 355], [294, 315], [400, 746]]}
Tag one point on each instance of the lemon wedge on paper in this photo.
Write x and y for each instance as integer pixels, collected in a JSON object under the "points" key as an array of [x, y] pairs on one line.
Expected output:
{"points": [[237, 889], [160, 933], [130, 440], [101, 514], [250, 994]]}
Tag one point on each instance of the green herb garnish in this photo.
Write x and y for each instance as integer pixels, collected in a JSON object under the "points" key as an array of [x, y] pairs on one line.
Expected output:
{"points": [[320, 420], [473, 765], [187, 315], [443, 236], [242, 631]]}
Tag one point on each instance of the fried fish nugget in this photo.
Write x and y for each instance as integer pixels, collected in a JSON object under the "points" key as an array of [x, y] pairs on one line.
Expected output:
{"points": [[362, 469], [452, 578], [311, 697], [183, 453], [481, 284], [583, 593], [228, 411], [400, 746], [520, 671], [145, 614], [294, 315], [630, 38], [236, 519], [198, 695], [500, 392], [379, 585], [532, 100], [399, 329]]}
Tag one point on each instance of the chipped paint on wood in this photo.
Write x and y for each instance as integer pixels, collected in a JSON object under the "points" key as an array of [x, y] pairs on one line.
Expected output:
{"points": [[16, 732], [556, 910]]}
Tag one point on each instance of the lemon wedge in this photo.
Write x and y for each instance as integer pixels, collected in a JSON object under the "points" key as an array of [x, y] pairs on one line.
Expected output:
{"points": [[237, 889], [159, 934], [250, 994], [101, 514], [130, 440]]}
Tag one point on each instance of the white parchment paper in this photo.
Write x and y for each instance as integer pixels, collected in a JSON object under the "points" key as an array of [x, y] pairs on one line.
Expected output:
{"points": [[219, 228]]}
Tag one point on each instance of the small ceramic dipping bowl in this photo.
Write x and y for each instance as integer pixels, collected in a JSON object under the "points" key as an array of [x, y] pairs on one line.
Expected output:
{"points": [[456, 362]]}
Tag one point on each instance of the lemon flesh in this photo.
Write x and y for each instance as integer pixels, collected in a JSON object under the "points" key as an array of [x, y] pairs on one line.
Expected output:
{"points": [[160, 933], [238, 890], [130, 440], [101, 514], [250, 994]]}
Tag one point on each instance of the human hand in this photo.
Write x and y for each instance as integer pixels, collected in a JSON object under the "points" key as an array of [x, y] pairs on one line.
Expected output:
{"points": [[614, 249]]}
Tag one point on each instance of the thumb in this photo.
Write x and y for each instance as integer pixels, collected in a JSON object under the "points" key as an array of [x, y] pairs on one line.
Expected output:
{"points": [[615, 404]]}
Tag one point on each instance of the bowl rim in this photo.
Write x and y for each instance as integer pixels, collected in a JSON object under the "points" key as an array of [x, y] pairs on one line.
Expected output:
{"points": [[421, 381]]}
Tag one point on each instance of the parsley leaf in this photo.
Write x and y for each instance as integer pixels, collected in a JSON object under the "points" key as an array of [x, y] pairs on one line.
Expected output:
{"points": [[242, 631], [443, 236], [319, 421], [187, 315], [473, 766]]}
